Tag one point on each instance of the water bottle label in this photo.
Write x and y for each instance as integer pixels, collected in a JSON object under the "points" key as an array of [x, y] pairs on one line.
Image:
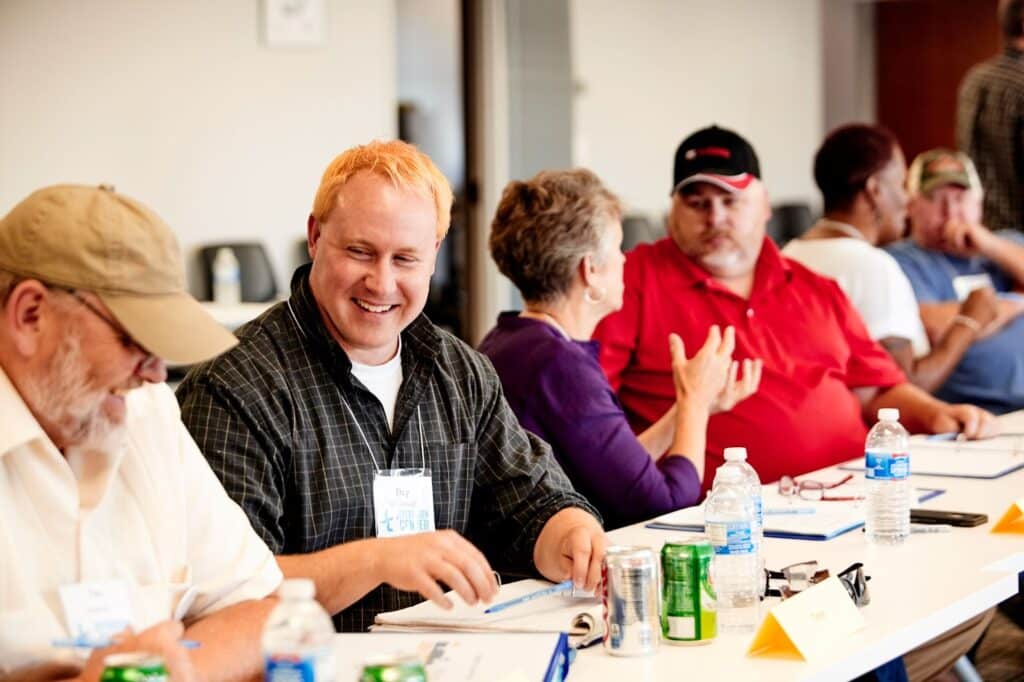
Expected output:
{"points": [[730, 538], [291, 669], [884, 466]]}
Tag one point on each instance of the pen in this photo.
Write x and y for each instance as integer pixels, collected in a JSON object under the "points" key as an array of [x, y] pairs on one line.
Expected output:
{"points": [[956, 435], [85, 643], [554, 589], [780, 511], [930, 528]]}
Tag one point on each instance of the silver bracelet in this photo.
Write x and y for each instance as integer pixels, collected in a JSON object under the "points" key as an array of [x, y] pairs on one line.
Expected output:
{"points": [[968, 322]]}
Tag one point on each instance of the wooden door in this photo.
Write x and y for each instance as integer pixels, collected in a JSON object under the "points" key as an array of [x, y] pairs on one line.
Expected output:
{"points": [[923, 50]]}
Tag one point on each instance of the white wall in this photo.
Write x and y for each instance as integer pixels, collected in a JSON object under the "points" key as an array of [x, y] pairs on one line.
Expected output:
{"points": [[849, 52], [430, 77], [179, 104], [649, 72]]}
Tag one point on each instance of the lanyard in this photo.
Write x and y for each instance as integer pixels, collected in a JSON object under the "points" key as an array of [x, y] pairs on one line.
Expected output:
{"points": [[369, 449]]}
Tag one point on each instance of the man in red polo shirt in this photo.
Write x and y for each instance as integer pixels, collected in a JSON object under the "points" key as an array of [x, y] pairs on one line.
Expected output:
{"points": [[823, 375]]}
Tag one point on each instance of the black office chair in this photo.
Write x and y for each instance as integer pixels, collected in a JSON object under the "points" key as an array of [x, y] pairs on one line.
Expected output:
{"points": [[301, 251], [255, 271], [638, 229], [788, 222]]}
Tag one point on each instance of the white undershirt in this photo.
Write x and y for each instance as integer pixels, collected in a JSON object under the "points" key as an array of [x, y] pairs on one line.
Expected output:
{"points": [[383, 381]]}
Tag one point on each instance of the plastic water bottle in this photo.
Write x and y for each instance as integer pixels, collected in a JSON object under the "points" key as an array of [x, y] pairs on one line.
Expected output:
{"points": [[227, 277], [730, 522], [298, 637], [887, 460], [736, 458]]}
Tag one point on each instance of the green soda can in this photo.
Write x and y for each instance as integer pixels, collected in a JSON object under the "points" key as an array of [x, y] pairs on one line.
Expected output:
{"points": [[135, 666], [394, 669], [688, 599]]}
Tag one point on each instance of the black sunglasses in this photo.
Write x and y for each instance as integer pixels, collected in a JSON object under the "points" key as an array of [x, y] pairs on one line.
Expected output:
{"points": [[796, 578]]}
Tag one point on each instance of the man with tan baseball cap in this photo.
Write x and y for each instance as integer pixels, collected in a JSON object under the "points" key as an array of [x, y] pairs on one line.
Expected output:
{"points": [[114, 531], [93, 239]]}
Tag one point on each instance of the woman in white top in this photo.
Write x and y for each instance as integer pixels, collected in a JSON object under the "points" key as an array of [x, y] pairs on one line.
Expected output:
{"points": [[861, 172]]}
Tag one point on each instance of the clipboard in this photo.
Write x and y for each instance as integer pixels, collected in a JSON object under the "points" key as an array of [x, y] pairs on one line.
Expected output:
{"points": [[581, 618], [828, 519], [982, 459]]}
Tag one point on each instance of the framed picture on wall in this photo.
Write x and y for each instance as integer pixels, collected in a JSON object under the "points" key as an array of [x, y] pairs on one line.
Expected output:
{"points": [[294, 23]]}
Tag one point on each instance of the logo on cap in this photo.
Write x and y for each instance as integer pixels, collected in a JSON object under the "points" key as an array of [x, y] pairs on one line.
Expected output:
{"points": [[720, 152]]}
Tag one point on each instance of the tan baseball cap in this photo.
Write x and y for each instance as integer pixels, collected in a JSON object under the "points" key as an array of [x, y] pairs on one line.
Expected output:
{"points": [[93, 239], [939, 167]]}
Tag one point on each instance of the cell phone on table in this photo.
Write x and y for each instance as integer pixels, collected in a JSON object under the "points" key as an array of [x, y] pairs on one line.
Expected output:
{"points": [[952, 518]]}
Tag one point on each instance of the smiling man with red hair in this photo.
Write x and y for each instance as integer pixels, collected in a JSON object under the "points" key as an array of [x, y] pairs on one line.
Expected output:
{"points": [[373, 451]]}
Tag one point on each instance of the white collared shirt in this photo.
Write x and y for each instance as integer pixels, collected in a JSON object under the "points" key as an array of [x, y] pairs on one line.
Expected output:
{"points": [[152, 514]]}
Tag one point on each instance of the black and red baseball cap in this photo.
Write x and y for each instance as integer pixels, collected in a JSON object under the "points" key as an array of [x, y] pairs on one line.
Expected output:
{"points": [[716, 156]]}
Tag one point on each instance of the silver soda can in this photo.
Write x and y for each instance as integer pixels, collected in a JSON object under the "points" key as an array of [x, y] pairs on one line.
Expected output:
{"points": [[631, 601]]}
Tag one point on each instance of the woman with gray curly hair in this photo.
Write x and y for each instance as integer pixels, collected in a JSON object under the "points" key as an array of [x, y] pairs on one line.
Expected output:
{"points": [[558, 237]]}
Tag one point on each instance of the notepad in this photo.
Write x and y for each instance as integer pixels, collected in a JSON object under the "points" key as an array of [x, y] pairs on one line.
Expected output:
{"points": [[988, 459], [580, 617], [828, 520], [461, 657]]}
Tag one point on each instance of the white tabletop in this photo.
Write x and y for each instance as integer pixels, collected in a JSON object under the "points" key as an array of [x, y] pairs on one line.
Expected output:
{"points": [[918, 590]]}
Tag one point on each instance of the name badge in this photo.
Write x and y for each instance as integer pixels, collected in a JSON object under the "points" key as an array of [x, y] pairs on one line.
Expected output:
{"points": [[403, 502], [965, 284], [97, 610]]}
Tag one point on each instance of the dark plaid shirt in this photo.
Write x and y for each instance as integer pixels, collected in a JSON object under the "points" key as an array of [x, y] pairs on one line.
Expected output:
{"points": [[270, 417], [990, 129]]}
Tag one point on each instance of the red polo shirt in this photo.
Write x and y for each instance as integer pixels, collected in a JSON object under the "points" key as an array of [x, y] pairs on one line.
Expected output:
{"points": [[814, 346]]}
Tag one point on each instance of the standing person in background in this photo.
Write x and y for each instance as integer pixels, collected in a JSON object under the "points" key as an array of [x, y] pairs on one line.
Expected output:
{"points": [[558, 237], [990, 122], [861, 173]]}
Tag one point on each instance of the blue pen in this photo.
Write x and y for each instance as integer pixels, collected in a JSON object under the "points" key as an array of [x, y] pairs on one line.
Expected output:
{"points": [[85, 643], [789, 510], [554, 589]]}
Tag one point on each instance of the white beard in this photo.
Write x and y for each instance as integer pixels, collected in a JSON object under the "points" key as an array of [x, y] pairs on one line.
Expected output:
{"points": [[64, 396], [722, 260]]}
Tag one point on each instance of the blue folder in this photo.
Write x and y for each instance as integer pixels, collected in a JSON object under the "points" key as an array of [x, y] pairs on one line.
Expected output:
{"points": [[925, 494]]}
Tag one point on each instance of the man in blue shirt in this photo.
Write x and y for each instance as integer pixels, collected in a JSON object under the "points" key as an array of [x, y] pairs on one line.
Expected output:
{"points": [[949, 254]]}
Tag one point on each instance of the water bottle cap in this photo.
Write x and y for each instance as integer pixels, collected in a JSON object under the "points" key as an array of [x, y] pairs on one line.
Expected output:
{"points": [[297, 588], [225, 256], [889, 414], [735, 454]]}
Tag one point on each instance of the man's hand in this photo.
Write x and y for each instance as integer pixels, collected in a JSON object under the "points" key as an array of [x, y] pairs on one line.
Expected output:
{"points": [[969, 420], [1006, 310], [967, 239], [572, 544], [982, 306], [161, 639], [417, 563]]}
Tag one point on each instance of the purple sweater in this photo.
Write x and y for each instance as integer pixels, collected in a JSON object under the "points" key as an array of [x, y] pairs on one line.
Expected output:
{"points": [[557, 389]]}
